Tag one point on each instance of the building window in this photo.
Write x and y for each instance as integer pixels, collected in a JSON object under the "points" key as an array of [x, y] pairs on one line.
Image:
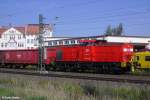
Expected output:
{"points": [[19, 36], [31, 40], [13, 36], [5, 44], [76, 41], [21, 44], [55, 42], [5, 36], [1, 44], [28, 41], [50, 43], [12, 31], [60, 42], [66, 42], [35, 44], [18, 44], [72, 41]]}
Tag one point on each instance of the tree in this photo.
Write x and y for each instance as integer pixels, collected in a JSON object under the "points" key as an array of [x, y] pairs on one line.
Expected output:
{"points": [[119, 30], [114, 31], [108, 30]]}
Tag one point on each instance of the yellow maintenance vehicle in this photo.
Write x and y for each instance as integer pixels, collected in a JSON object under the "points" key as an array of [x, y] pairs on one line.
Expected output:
{"points": [[141, 61]]}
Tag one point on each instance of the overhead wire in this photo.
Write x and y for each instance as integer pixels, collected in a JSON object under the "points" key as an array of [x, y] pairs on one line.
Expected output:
{"points": [[131, 8], [105, 18]]}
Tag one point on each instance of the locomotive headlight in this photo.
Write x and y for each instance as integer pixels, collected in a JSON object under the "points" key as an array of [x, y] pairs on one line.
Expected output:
{"points": [[125, 49], [131, 50]]}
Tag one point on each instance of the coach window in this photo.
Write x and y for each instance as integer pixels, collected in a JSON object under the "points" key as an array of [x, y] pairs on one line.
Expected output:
{"points": [[147, 58]]}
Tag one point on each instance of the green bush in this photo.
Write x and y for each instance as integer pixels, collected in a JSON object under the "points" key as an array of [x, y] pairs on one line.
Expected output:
{"points": [[90, 89], [6, 92], [72, 88]]}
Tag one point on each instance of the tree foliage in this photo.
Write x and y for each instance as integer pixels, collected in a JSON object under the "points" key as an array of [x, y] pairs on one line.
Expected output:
{"points": [[117, 31], [109, 30]]}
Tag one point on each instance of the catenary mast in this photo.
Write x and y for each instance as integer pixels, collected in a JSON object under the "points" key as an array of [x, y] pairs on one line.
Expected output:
{"points": [[41, 66]]}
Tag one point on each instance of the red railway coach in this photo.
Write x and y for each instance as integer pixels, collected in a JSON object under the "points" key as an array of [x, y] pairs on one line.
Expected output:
{"points": [[19, 57]]}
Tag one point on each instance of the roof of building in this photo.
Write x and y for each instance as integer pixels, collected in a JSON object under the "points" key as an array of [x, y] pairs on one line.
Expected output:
{"points": [[20, 29], [33, 29], [29, 29], [2, 30]]}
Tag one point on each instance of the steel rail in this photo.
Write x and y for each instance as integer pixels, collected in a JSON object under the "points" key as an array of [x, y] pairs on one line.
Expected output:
{"points": [[84, 77]]}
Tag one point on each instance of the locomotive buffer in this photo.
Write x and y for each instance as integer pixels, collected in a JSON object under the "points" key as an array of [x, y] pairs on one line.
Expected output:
{"points": [[41, 65]]}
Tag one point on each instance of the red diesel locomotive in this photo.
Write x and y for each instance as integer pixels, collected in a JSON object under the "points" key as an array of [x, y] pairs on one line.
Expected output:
{"points": [[89, 55]]}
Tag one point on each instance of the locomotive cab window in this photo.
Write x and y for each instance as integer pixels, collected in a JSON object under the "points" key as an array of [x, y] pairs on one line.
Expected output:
{"points": [[137, 58], [84, 44], [147, 58], [87, 44]]}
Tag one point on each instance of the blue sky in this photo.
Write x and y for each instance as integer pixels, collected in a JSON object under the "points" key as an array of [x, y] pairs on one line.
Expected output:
{"points": [[79, 17]]}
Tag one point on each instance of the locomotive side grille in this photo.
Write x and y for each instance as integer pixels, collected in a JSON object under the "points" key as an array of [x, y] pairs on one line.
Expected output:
{"points": [[59, 55]]}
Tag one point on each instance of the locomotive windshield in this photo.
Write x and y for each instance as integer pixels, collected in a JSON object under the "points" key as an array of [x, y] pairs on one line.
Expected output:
{"points": [[86, 44], [91, 42], [147, 58]]}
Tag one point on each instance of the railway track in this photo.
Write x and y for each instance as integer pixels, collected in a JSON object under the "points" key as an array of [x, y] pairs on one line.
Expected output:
{"points": [[97, 77]]}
